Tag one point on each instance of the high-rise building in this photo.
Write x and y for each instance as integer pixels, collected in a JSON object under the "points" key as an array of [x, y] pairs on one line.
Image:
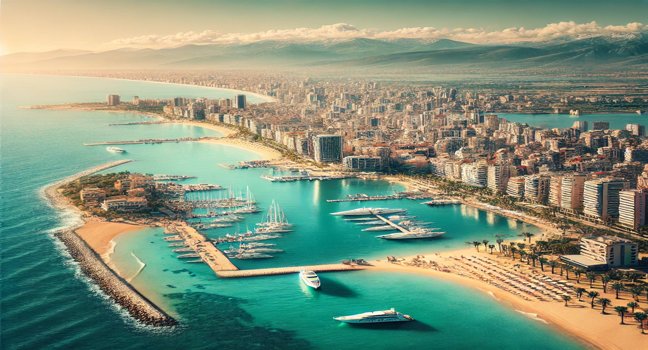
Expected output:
{"points": [[536, 188], [571, 197], [555, 190], [327, 148], [240, 101], [497, 177], [632, 208], [601, 198], [580, 125], [474, 174], [113, 100], [515, 187]]}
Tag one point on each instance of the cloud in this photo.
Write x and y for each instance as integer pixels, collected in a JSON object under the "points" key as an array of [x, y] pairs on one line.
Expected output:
{"points": [[342, 31]]}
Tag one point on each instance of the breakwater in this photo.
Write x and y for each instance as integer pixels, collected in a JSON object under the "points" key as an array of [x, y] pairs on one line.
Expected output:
{"points": [[137, 305]]}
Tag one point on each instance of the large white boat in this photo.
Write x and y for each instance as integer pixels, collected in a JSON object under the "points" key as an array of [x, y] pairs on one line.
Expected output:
{"points": [[310, 279], [414, 234], [115, 150], [380, 228], [369, 211], [385, 316]]}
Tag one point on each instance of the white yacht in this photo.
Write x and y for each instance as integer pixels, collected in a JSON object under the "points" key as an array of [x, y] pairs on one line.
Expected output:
{"points": [[115, 150], [414, 234], [385, 316], [276, 221], [310, 279], [370, 211]]}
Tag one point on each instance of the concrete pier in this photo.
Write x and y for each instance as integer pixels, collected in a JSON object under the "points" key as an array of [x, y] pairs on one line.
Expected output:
{"points": [[150, 141], [392, 224], [290, 269]]}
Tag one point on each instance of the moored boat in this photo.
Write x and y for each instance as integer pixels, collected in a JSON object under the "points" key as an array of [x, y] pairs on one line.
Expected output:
{"points": [[369, 211], [115, 150], [385, 316]]}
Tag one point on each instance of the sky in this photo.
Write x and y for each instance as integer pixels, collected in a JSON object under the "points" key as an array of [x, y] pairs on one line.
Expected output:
{"points": [[42, 25]]}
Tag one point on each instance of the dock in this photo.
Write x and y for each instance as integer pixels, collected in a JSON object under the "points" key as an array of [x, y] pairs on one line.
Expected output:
{"points": [[392, 224], [366, 198], [290, 269], [150, 141]]}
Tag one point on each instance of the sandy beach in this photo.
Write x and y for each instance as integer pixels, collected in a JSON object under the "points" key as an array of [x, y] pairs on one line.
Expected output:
{"points": [[266, 153], [578, 319], [219, 128], [99, 235]]}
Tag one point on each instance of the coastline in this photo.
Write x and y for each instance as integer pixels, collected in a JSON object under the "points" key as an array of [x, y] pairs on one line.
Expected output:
{"points": [[265, 152], [88, 238], [578, 320]]}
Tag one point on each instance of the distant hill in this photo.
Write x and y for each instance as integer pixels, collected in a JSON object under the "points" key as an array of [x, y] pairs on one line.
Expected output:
{"points": [[601, 52]]}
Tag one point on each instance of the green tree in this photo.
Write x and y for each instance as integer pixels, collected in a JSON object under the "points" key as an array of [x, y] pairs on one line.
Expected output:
{"points": [[553, 265], [491, 247], [579, 293], [542, 262], [641, 318], [476, 244], [633, 305], [621, 310], [636, 292], [591, 276], [592, 295], [605, 302], [566, 298], [617, 286], [527, 235], [499, 244], [485, 243], [605, 279]]}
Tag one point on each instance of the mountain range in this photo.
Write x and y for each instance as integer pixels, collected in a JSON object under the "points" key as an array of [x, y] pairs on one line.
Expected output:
{"points": [[605, 53]]}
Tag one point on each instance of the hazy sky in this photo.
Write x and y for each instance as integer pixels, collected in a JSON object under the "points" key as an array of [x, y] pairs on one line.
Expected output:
{"points": [[40, 25]]}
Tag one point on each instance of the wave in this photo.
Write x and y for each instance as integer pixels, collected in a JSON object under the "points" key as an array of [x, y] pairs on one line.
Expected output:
{"points": [[532, 316]]}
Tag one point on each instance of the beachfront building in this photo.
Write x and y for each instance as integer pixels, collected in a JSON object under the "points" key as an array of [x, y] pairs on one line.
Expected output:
{"points": [[632, 208], [571, 188], [555, 190], [92, 196], [125, 204], [515, 187], [240, 101], [601, 198], [474, 174], [113, 100], [362, 163], [497, 177], [536, 188], [604, 252], [327, 148]]}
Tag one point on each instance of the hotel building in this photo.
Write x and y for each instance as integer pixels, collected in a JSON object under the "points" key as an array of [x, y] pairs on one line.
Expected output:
{"points": [[327, 148], [601, 198], [632, 208]]}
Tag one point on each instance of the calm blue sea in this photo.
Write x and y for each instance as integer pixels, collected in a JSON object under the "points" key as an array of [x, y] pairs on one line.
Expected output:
{"points": [[548, 121], [46, 303]]}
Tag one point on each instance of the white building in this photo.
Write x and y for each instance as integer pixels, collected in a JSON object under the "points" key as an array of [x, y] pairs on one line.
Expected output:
{"points": [[632, 208], [601, 198]]}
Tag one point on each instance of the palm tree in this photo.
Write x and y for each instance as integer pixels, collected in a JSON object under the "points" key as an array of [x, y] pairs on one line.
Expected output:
{"points": [[533, 257], [485, 243], [593, 295], [566, 298], [604, 303], [513, 250], [567, 269], [521, 246], [577, 273], [605, 279], [617, 286], [527, 235], [641, 317], [542, 262], [476, 244], [636, 292], [621, 310], [633, 305], [553, 265], [499, 244], [579, 293], [591, 276], [523, 254], [491, 247]]}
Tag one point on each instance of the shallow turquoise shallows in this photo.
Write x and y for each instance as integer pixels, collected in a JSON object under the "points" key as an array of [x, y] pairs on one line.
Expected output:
{"points": [[46, 303]]}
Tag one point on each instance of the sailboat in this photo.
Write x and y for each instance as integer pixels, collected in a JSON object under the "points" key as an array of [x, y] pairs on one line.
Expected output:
{"points": [[276, 221]]}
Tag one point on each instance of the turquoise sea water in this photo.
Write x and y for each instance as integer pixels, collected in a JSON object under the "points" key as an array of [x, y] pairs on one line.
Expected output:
{"points": [[46, 303], [617, 120]]}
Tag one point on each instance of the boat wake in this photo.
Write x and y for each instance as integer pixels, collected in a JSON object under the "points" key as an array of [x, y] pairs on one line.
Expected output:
{"points": [[142, 265], [532, 316]]}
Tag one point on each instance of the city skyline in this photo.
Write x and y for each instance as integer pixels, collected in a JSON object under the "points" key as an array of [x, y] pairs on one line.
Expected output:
{"points": [[94, 26]]}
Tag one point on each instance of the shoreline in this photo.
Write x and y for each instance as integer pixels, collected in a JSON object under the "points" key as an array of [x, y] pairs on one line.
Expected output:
{"points": [[87, 253], [578, 321], [265, 152]]}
